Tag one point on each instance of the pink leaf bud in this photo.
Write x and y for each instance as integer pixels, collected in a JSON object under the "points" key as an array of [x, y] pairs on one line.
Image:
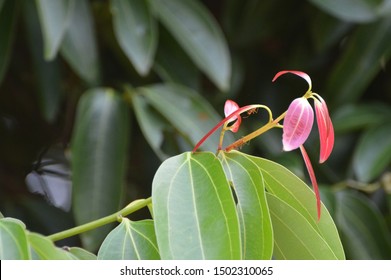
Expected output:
{"points": [[298, 123]]}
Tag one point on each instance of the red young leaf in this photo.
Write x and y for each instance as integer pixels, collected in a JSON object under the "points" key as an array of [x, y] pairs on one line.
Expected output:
{"points": [[326, 130], [312, 178], [298, 73], [230, 107]]}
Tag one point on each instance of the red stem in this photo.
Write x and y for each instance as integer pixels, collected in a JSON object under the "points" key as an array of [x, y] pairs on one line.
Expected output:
{"points": [[222, 122]]}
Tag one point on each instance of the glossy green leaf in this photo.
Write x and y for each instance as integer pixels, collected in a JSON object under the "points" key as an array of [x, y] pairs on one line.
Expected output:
{"points": [[360, 62], [194, 210], [352, 117], [355, 10], [54, 17], [254, 218], [13, 240], [8, 16], [79, 46], [136, 32], [16, 221], [373, 153], [287, 187], [187, 111], [199, 35], [44, 249], [1, 216], [99, 153], [46, 73], [130, 241], [294, 236], [81, 254], [363, 230]]}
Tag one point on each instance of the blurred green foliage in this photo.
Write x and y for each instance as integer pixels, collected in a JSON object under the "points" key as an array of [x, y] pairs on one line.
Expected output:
{"points": [[176, 62]]}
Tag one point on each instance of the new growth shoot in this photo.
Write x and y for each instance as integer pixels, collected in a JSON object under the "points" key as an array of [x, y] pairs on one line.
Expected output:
{"points": [[297, 124]]}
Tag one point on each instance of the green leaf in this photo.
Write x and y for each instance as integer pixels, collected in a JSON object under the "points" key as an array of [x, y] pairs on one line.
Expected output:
{"points": [[360, 62], [8, 16], [81, 254], [54, 17], [355, 10], [136, 32], [79, 46], [130, 241], [194, 210], [363, 230], [373, 153], [187, 111], [198, 33], [45, 249], [13, 240], [254, 218], [1, 216], [99, 152], [46, 73], [294, 236], [352, 117], [17, 221], [287, 187]]}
